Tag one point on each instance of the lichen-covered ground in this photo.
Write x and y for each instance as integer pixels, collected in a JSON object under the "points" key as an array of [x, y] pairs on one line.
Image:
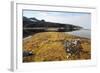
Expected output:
{"points": [[49, 46]]}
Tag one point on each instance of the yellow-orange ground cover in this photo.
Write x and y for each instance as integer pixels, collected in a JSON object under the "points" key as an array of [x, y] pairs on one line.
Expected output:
{"points": [[48, 46]]}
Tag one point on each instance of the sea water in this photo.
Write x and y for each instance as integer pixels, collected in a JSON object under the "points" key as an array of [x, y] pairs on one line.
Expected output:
{"points": [[82, 33]]}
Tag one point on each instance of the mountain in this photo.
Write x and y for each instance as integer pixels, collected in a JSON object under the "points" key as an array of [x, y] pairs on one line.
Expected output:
{"points": [[33, 25], [34, 19], [25, 19], [33, 22]]}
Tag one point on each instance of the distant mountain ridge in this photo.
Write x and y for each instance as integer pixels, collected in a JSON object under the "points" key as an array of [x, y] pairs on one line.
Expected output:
{"points": [[28, 22], [33, 25]]}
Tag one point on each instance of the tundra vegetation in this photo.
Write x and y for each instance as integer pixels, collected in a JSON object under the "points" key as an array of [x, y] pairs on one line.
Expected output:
{"points": [[56, 46]]}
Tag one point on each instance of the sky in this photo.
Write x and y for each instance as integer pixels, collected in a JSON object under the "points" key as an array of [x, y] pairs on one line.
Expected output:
{"points": [[75, 18]]}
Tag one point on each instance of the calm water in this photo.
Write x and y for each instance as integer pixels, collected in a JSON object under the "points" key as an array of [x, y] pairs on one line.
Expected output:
{"points": [[82, 33]]}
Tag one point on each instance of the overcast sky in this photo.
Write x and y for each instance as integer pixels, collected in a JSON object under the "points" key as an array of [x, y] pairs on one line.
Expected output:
{"points": [[75, 18]]}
